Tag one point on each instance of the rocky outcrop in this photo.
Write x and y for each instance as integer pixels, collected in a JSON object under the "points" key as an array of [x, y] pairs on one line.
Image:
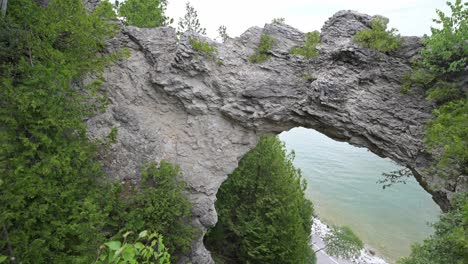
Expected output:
{"points": [[171, 102]]}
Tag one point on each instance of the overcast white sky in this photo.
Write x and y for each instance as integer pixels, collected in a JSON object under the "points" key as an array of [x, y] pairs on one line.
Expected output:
{"points": [[410, 17]]}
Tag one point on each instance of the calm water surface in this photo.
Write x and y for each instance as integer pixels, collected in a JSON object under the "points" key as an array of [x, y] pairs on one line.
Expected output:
{"points": [[342, 185]]}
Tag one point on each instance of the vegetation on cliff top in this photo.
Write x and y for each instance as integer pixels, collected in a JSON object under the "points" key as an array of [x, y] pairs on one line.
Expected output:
{"points": [[378, 37]]}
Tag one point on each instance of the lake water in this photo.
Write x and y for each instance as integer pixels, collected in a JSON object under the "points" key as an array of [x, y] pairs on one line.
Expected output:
{"points": [[342, 185]]}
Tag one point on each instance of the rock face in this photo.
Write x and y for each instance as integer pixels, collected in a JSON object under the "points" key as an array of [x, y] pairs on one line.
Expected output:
{"points": [[171, 102]]}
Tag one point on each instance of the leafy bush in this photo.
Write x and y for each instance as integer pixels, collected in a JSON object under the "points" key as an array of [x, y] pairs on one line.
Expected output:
{"points": [[158, 205], [447, 133], [203, 47], [309, 49], [263, 216], [449, 243], [144, 13], [147, 249], [446, 50], [263, 51], [442, 63], [378, 37]]}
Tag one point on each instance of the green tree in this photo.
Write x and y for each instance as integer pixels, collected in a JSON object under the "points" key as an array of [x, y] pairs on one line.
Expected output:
{"points": [[449, 243], [190, 22], [263, 214], [446, 50], [51, 179], [222, 31], [440, 71], [378, 37], [342, 242], [144, 13]]}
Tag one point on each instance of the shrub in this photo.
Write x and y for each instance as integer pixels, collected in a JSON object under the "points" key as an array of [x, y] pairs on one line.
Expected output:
{"points": [[158, 205], [264, 47], [442, 63], [264, 216], [342, 242], [203, 47], [378, 37], [309, 49], [278, 21], [446, 50], [147, 249]]}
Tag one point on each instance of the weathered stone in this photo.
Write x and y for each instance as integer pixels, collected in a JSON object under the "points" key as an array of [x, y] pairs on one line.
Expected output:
{"points": [[171, 102]]}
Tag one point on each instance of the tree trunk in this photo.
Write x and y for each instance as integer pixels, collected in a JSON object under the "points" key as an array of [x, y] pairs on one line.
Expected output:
{"points": [[4, 7]]}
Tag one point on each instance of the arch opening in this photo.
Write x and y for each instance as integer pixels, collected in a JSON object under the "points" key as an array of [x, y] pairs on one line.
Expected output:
{"points": [[343, 185]]}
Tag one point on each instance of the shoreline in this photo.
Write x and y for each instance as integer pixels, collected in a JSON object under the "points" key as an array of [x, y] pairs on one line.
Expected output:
{"points": [[367, 256]]}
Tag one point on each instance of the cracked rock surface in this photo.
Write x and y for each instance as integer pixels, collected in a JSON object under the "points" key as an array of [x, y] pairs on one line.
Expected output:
{"points": [[204, 113]]}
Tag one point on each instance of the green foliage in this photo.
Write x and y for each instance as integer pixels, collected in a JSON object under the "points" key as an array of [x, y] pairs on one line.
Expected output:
{"points": [[417, 76], [378, 37], [190, 22], [263, 51], [158, 205], [45, 156], [342, 242], [105, 10], [449, 243], [147, 249], [263, 214], [447, 133], [144, 13], [309, 49], [442, 64], [55, 205], [204, 47], [278, 21], [446, 49]]}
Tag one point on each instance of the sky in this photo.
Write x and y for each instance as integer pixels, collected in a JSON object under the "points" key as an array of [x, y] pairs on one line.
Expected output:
{"points": [[410, 17]]}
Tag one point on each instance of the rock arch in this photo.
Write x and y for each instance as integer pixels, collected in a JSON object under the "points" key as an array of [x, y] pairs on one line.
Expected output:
{"points": [[170, 102]]}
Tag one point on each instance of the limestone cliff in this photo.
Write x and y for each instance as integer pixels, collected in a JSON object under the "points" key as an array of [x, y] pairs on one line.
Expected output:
{"points": [[171, 102]]}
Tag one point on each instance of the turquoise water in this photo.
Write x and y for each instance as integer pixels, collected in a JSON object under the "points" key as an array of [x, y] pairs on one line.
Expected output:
{"points": [[342, 185]]}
